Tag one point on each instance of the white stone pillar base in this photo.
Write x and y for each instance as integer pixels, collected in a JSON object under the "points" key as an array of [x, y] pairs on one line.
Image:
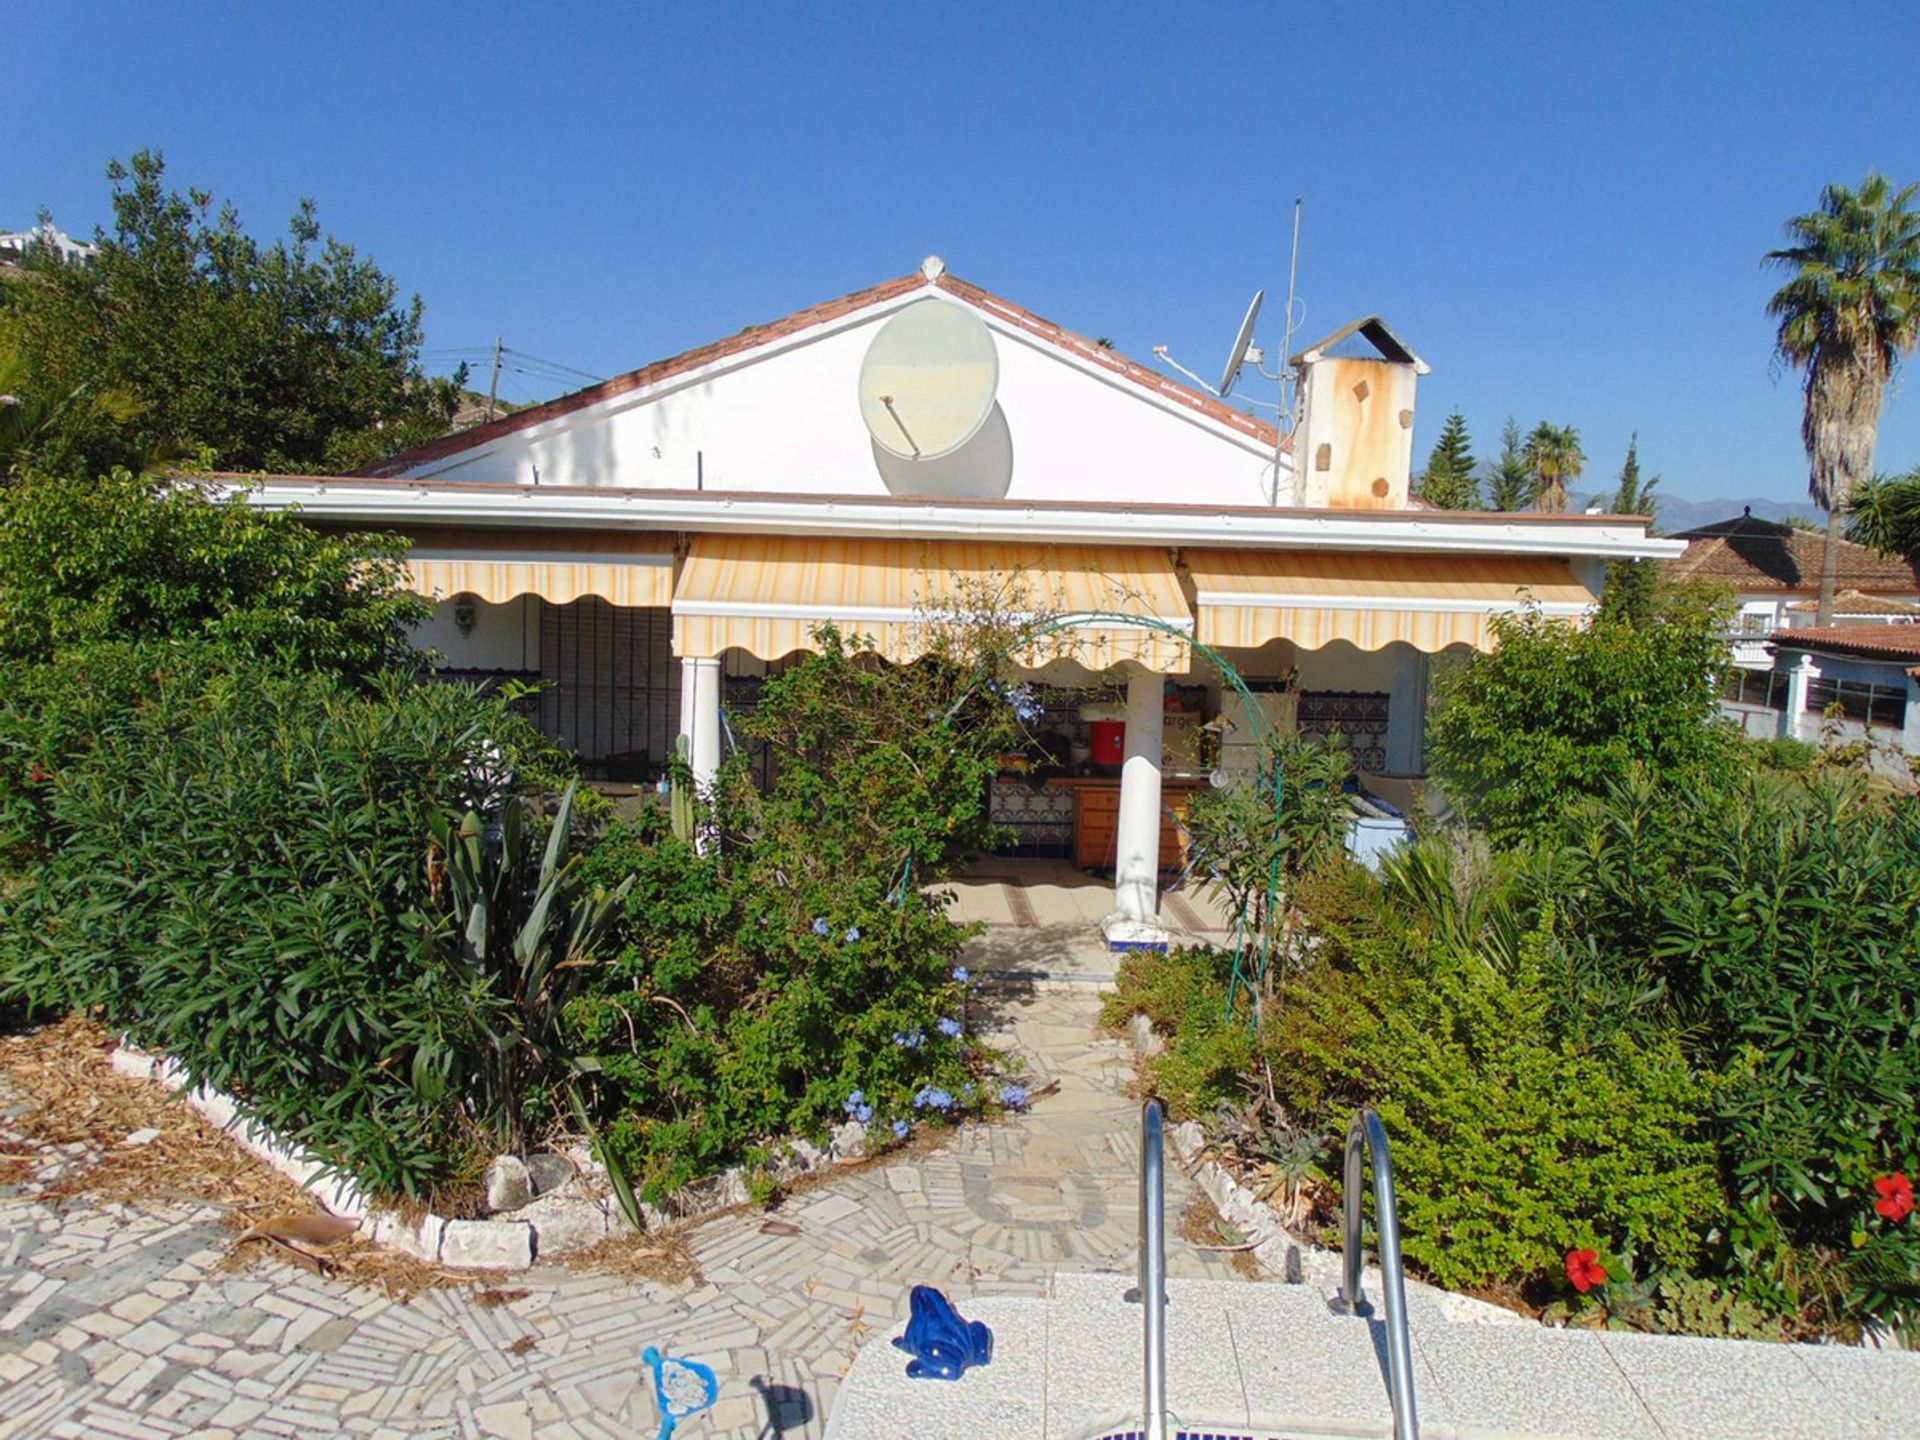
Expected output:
{"points": [[1135, 921]]}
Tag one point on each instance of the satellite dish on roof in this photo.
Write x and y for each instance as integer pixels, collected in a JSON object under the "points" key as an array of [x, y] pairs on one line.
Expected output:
{"points": [[1238, 355], [928, 380]]}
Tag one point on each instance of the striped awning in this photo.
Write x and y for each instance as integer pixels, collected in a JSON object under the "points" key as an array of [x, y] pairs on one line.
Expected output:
{"points": [[621, 567], [767, 595], [1314, 597]]}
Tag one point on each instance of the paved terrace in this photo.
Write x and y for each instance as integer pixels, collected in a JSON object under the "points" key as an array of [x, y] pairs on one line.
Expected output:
{"points": [[131, 1321]]}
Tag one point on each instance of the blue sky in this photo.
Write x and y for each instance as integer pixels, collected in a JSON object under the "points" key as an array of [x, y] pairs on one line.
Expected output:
{"points": [[1561, 207]]}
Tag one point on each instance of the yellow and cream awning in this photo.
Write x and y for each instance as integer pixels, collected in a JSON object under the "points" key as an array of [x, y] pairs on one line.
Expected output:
{"points": [[1314, 597], [621, 567], [768, 594]]}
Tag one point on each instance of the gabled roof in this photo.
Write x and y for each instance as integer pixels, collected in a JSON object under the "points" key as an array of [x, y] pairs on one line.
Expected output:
{"points": [[1899, 643], [1757, 556], [1858, 602], [755, 335], [1376, 332]]}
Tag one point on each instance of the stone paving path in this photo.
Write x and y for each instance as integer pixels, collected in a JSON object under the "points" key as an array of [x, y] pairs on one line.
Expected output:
{"points": [[124, 1322]]}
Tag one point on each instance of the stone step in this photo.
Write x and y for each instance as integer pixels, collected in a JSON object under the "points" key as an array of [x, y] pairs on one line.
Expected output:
{"points": [[1271, 1360]]}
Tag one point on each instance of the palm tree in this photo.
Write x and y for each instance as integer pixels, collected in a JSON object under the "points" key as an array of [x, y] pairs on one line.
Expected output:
{"points": [[1849, 310], [1553, 454], [1885, 513]]}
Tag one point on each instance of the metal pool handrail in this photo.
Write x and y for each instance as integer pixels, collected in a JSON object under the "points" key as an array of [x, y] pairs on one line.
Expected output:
{"points": [[1153, 1264], [1367, 1133]]}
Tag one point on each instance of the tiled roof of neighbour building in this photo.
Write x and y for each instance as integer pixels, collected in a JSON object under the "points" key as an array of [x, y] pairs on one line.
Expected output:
{"points": [[1877, 642], [1056, 335], [1759, 555], [1857, 602]]}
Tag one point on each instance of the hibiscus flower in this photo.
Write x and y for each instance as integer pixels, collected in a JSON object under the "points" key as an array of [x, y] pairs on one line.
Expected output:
{"points": [[1896, 1196], [1584, 1270]]}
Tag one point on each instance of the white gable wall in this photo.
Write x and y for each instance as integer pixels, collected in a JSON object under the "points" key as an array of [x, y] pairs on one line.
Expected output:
{"points": [[784, 419]]}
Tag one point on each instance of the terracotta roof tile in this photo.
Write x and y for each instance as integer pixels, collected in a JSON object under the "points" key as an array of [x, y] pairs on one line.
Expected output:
{"points": [[1888, 642], [1057, 335], [1857, 602], [1756, 555]]}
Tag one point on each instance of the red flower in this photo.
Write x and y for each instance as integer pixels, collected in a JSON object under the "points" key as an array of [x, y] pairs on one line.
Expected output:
{"points": [[38, 774], [1584, 1270], [1896, 1196]]}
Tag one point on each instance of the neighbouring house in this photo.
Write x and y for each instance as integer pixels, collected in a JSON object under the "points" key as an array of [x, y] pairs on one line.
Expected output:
{"points": [[1774, 572], [651, 548], [14, 245], [1837, 685]]}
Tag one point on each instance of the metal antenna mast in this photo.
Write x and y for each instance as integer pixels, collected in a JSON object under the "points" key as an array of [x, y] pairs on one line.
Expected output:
{"points": [[1285, 426]]}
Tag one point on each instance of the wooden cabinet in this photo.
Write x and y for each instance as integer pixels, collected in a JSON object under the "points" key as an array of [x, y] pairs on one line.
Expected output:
{"points": [[1096, 830]]}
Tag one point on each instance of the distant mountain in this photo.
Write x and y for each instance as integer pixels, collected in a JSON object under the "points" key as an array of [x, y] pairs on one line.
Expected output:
{"points": [[1674, 514]]}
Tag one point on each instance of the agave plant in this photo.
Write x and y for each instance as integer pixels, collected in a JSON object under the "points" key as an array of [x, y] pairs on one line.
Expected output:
{"points": [[528, 935]]}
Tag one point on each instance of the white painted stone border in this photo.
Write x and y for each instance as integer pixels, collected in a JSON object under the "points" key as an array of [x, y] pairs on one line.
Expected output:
{"points": [[496, 1243]]}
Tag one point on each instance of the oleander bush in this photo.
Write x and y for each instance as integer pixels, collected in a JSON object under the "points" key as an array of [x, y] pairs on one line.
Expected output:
{"points": [[238, 864]]}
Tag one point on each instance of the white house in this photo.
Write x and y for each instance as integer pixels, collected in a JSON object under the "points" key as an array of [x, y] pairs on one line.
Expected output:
{"points": [[1774, 572], [651, 547]]}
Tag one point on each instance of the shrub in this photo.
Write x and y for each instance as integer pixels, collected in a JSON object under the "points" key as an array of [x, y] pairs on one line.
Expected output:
{"points": [[797, 960], [1512, 1141], [1558, 711], [122, 558], [233, 864], [1183, 994]]}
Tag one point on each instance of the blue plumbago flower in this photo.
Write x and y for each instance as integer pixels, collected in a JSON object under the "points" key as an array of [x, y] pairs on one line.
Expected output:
{"points": [[950, 1028], [864, 1114], [1026, 705], [820, 926], [855, 1101], [962, 974], [853, 933], [913, 1041], [1014, 1097], [900, 1128], [931, 1097], [967, 1092]]}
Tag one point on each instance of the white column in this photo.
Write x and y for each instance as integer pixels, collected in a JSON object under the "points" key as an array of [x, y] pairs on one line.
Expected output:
{"points": [[1799, 676], [700, 710], [1135, 920], [1407, 710]]}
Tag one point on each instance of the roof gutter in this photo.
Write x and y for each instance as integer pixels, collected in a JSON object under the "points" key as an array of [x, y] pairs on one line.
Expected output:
{"points": [[375, 503]]}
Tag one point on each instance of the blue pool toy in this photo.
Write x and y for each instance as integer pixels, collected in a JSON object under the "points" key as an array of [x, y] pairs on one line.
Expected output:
{"points": [[683, 1388], [942, 1344]]}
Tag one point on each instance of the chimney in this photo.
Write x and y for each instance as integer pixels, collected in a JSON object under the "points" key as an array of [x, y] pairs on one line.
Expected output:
{"points": [[1353, 443]]}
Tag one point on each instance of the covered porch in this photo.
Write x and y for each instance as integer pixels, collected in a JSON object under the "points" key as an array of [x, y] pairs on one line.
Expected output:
{"points": [[636, 640]]}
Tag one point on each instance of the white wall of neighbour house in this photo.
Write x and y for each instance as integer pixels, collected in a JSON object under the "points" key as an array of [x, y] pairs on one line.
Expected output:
{"points": [[785, 419], [1893, 748]]}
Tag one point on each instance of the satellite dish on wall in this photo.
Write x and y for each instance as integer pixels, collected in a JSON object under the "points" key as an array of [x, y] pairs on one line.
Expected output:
{"points": [[1238, 355], [927, 383]]}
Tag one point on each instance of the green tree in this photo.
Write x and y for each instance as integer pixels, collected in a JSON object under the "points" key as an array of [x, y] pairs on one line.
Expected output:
{"points": [[1510, 485], [290, 356], [1885, 513], [1848, 311], [1559, 710], [126, 558], [1449, 481], [1555, 460], [1633, 585]]}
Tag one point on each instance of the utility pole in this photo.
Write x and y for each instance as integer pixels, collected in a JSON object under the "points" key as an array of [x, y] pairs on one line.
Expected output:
{"points": [[493, 385]]}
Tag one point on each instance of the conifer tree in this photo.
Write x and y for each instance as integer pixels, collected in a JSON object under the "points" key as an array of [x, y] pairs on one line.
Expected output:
{"points": [[1633, 585], [1449, 481], [1510, 483]]}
